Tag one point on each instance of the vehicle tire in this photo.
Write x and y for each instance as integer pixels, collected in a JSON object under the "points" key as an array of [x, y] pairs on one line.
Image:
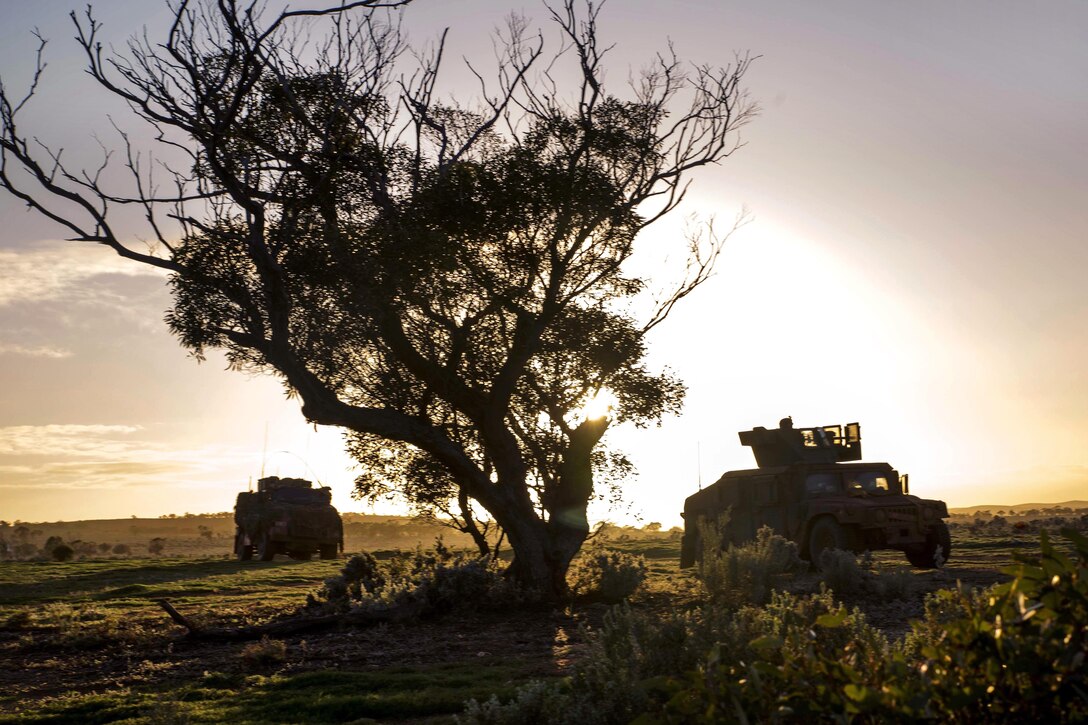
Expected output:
{"points": [[328, 551], [243, 551], [826, 533], [925, 556], [266, 548]]}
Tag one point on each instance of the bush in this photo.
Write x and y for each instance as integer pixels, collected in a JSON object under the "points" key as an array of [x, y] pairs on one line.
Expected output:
{"points": [[628, 664], [1014, 654], [840, 571], [266, 653], [607, 576], [1017, 653], [62, 552], [156, 545], [435, 580], [122, 549], [746, 574]]}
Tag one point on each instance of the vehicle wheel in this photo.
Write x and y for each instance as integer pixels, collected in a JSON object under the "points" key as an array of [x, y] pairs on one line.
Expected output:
{"points": [[826, 533], [925, 556], [300, 555], [328, 552], [266, 549], [243, 551]]}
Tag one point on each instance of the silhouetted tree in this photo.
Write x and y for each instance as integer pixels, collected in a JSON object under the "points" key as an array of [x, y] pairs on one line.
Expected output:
{"points": [[444, 281]]}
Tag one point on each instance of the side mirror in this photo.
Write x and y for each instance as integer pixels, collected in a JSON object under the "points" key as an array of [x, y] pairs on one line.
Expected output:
{"points": [[904, 482]]}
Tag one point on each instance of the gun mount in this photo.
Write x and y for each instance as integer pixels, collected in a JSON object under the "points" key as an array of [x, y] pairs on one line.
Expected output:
{"points": [[786, 445]]}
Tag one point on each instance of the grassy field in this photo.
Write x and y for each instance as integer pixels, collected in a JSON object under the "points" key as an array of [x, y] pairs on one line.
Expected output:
{"points": [[84, 641]]}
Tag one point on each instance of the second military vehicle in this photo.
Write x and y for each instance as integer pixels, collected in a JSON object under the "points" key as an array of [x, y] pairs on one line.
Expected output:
{"points": [[287, 516], [810, 489]]}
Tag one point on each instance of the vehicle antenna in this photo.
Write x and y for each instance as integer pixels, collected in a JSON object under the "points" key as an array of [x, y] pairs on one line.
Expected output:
{"points": [[699, 463]]}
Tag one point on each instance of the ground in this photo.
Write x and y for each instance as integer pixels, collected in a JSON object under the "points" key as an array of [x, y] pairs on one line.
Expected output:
{"points": [[84, 640]]}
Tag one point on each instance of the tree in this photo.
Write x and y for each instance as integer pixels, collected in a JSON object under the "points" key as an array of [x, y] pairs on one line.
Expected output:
{"points": [[443, 281]]}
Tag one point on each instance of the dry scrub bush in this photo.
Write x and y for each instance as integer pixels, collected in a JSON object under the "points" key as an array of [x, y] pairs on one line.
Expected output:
{"points": [[840, 571], [628, 663], [746, 573], [263, 654], [843, 574], [1016, 653], [434, 580], [606, 575]]}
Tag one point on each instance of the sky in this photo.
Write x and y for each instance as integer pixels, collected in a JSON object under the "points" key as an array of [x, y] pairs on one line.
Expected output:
{"points": [[914, 260]]}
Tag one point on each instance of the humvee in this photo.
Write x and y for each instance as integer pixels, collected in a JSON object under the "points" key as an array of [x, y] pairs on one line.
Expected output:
{"points": [[811, 487], [287, 516]]}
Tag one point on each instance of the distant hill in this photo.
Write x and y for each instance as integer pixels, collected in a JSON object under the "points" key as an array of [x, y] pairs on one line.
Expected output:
{"points": [[1018, 507]]}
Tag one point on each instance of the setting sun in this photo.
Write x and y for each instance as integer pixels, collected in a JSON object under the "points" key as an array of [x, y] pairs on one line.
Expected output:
{"points": [[599, 406]]}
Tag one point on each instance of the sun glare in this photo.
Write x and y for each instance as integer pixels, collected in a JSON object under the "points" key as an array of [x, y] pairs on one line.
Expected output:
{"points": [[599, 406]]}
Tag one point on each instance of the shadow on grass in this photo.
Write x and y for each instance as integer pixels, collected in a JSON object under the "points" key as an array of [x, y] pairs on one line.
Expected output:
{"points": [[311, 697], [43, 582]]}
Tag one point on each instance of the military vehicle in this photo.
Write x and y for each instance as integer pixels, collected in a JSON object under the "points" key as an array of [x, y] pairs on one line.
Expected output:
{"points": [[287, 516], [811, 487]]}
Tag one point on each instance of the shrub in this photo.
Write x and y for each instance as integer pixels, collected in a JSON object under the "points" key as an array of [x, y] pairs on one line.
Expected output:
{"points": [[607, 576], [840, 571], [266, 653], [746, 574], [1016, 653], [156, 545], [626, 668], [435, 580], [62, 552], [122, 549]]}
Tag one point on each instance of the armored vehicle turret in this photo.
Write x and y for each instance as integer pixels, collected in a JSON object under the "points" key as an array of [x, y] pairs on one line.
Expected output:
{"points": [[811, 487], [287, 516]]}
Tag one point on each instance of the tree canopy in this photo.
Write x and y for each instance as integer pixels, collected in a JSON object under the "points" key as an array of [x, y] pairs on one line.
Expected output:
{"points": [[445, 281]]}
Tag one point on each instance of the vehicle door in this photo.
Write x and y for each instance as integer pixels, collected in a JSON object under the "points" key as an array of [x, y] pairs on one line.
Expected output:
{"points": [[767, 507]]}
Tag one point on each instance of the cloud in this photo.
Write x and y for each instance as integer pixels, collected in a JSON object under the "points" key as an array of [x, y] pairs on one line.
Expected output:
{"points": [[66, 440], [34, 351], [91, 474], [50, 270], [99, 456]]}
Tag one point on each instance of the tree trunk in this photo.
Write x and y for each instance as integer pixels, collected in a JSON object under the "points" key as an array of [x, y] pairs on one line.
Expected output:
{"points": [[543, 551]]}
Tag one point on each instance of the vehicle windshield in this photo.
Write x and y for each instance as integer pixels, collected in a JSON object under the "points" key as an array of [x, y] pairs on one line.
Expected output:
{"points": [[823, 483], [873, 482]]}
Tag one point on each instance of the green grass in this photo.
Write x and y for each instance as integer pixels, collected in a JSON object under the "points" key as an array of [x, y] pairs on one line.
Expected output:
{"points": [[98, 580], [313, 697]]}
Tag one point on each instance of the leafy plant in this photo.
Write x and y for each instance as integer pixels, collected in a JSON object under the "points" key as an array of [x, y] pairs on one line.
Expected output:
{"points": [[840, 571], [607, 575], [746, 573], [436, 580]]}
